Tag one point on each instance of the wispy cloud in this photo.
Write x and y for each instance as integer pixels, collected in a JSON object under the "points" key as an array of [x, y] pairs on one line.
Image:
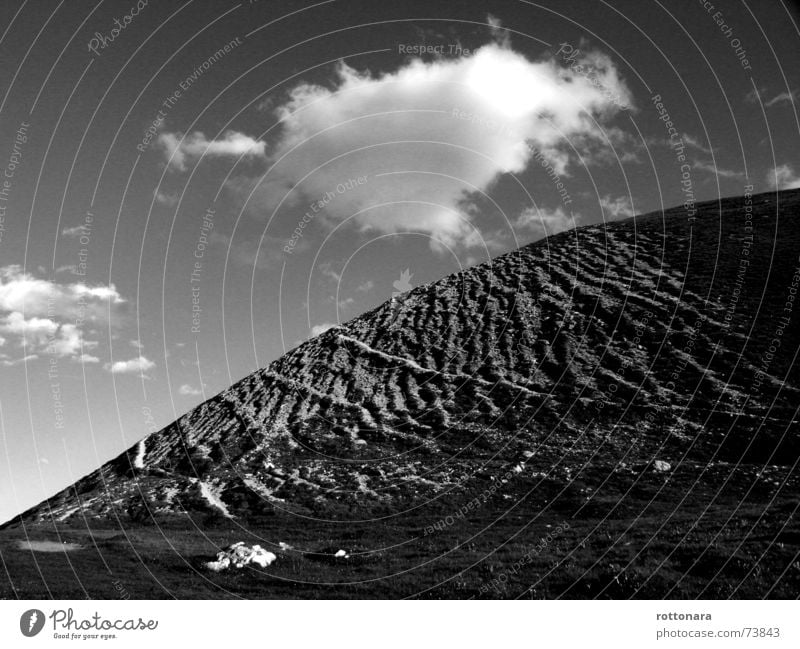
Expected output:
{"points": [[703, 165], [695, 143], [179, 150], [784, 97], [74, 232]]}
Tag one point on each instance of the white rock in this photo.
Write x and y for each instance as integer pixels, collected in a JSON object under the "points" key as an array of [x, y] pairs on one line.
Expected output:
{"points": [[341, 554], [239, 555], [660, 465], [262, 558], [222, 563]]}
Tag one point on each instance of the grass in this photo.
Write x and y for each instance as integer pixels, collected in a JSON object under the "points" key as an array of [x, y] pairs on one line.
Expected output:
{"points": [[609, 546]]}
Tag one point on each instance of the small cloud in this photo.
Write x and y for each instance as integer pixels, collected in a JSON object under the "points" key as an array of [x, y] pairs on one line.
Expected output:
{"points": [[138, 365], [316, 330], [189, 390], [88, 358], [180, 149], [783, 177], [137, 345], [44, 460], [366, 286], [619, 208], [164, 198]]}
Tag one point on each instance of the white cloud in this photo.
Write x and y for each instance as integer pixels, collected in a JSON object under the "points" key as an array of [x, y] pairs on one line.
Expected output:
{"points": [[616, 208], [179, 150], [316, 330], [783, 177], [429, 134], [189, 391], [138, 365], [21, 291], [88, 358], [46, 317]]}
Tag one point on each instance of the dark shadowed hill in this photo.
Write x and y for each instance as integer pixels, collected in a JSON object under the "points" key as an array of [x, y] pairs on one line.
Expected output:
{"points": [[657, 338]]}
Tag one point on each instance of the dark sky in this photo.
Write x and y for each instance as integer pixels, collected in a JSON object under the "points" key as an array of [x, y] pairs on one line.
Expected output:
{"points": [[189, 189]]}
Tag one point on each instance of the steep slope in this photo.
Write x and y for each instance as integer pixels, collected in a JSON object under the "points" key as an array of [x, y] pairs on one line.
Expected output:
{"points": [[657, 336]]}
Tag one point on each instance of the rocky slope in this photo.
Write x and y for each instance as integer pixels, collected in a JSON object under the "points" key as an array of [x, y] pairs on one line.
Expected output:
{"points": [[657, 337]]}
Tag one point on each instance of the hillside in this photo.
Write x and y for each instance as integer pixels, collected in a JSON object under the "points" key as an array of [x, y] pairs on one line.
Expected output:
{"points": [[649, 333], [596, 373]]}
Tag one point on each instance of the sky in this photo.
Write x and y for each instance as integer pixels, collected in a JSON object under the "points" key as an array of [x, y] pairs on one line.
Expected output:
{"points": [[190, 189]]}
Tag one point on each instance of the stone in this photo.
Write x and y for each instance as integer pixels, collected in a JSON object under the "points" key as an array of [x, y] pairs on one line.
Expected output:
{"points": [[240, 555]]}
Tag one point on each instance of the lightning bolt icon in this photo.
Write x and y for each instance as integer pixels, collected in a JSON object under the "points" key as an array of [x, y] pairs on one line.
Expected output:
{"points": [[32, 621]]}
